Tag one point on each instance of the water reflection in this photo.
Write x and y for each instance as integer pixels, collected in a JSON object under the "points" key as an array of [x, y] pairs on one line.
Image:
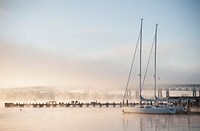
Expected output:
{"points": [[144, 122], [92, 119]]}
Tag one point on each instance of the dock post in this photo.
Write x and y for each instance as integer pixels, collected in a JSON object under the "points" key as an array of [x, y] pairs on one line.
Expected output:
{"points": [[100, 104], [6, 104], [167, 93], [199, 93], [107, 103], [194, 92], [114, 104], [188, 106], [47, 104], [79, 104], [40, 105], [87, 104], [126, 102], [67, 104]]}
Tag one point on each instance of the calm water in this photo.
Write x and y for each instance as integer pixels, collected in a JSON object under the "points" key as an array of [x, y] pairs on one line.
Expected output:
{"points": [[92, 119]]}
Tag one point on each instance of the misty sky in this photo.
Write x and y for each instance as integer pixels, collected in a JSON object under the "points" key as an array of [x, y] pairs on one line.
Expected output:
{"points": [[90, 43]]}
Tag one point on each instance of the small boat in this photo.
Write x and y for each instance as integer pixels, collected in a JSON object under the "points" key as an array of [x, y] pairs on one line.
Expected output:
{"points": [[148, 109]]}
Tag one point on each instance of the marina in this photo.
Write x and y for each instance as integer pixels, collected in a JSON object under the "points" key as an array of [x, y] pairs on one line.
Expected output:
{"points": [[99, 65], [164, 91]]}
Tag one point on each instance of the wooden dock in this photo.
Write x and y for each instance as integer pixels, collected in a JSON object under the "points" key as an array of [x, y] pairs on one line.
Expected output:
{"points": [[54, 104], [193, 102], [194, 107]]}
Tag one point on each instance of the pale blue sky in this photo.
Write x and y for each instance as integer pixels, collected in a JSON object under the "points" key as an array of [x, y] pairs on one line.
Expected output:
{"points": [[89, 43]]}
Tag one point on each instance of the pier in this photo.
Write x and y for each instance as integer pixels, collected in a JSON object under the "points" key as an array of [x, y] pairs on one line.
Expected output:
{"points": [[54, 104], [192, 103]]}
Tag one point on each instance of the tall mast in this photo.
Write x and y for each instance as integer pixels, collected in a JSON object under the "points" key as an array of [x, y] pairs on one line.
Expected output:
{"points": [[140, 58], [155, 62]]}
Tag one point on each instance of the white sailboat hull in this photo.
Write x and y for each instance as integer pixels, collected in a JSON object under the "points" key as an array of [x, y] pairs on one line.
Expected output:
{"points": [[149, 110]]}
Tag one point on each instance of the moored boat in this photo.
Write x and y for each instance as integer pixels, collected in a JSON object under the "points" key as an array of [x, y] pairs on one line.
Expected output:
{"points": [[147, 109]]}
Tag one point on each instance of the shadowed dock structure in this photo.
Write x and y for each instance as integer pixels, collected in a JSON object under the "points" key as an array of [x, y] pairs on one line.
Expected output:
{"points": [[180, 87]]}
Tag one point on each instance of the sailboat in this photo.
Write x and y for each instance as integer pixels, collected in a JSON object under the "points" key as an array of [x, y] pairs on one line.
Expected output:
{"points": [[148, 109]]}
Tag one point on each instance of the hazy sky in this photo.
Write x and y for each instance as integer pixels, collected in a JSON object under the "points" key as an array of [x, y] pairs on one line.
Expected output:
{"points": [[90, 43]]}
